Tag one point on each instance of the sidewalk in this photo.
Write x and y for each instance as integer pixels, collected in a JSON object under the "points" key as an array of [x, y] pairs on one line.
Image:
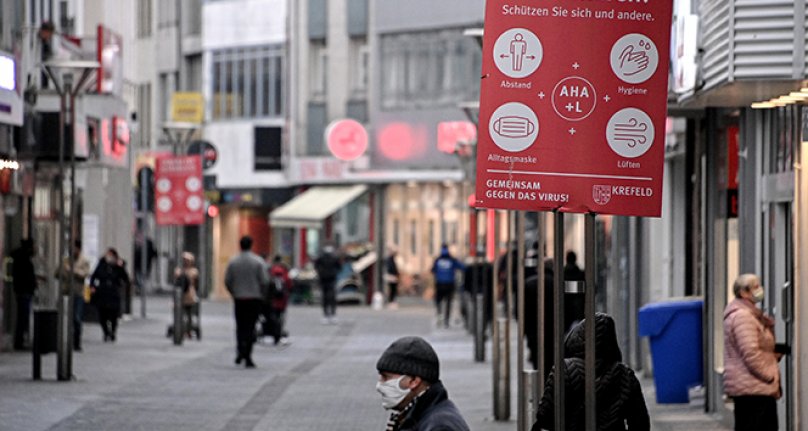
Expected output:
{"points": [[323, 381]]}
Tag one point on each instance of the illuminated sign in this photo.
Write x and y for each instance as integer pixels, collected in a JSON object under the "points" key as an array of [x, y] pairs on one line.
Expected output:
{"points": [[347, 139], [11, 106], [451, 134], [8, 73]]}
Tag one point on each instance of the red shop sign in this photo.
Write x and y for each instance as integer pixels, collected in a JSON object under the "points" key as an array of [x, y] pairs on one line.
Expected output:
{"points": [[178, 193], [573, 105]]}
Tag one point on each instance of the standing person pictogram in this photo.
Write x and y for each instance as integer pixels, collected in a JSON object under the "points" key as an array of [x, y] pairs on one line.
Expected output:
{"points": [[518, 51]]}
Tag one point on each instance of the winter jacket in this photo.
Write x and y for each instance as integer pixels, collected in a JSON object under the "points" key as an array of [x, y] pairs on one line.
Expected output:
{"points": [[22, 272], [107, 282], [280, 272], [445, 267], [750, 364], [433, 411], [246, 276], [619, 401], [328, 267]]}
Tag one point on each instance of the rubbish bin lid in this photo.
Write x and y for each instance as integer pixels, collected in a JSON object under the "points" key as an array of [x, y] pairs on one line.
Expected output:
{"points": [[654, 317]]}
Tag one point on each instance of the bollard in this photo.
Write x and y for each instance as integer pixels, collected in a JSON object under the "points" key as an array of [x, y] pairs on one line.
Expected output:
{"points": [[502, 399], [179, 331], [64, 360], [531, 399], [479, 328]]}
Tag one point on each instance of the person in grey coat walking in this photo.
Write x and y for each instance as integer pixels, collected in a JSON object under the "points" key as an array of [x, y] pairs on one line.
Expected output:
{"points": [[246, 278]]}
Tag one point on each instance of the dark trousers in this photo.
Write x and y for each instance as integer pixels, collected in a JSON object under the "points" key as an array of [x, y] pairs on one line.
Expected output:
{"points": [[108, 318], [393, 292], [755, 413], [23, 317], [329, 298], [443, 298], [246, 311], [78, 315], [273, 322]]}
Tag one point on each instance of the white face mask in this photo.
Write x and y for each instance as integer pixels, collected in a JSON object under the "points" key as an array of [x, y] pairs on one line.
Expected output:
{"points": [[391, 391], [758, 294]]}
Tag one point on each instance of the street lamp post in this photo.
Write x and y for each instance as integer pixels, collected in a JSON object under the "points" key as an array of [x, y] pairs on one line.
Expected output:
{"points": [[178, 134], [61, 73]]}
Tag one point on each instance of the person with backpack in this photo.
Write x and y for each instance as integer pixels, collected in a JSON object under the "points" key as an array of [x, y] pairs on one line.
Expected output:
{"points": [[328, 266], [445, 271], [275, 302]]}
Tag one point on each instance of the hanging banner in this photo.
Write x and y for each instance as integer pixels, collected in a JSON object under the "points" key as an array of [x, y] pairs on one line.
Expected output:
{"points": [[178, 193], [573, 103]]}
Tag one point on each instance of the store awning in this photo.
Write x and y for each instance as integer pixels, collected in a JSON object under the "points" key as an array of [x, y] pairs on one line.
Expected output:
{"points": [[311, 207]]}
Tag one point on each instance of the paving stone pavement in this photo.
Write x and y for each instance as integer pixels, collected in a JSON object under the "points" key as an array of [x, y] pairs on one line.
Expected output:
{"points": [[324, 380]]}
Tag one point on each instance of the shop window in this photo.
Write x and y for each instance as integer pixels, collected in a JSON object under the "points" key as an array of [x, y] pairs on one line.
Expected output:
{"points": [[396, 233]]}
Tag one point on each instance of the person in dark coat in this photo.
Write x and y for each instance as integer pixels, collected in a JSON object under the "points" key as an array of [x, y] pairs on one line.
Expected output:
{"points": [[573, 272], [25, 284], [619, 400], [410, 386], [328, 266], [106, 283], [391, 276]]}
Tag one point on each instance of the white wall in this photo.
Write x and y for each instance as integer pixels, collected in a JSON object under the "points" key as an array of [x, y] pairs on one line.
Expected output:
{"points": [[243, 23], [235, 167]]}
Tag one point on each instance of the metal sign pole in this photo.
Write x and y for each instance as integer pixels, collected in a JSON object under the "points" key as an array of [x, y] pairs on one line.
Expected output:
{"points": [[558, 318], [589, 315], [495, 329], [144, 250], [522, 419], [541, 239]]}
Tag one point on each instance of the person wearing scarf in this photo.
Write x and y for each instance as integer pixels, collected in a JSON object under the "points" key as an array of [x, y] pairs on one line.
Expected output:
{"points": [[411, 389]]}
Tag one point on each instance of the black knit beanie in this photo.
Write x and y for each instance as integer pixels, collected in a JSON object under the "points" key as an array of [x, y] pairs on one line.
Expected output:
{"points": [[411, 356]]}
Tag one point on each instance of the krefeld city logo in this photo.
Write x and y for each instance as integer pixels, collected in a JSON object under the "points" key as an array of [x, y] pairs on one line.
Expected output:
{"points": [[601, 194]]}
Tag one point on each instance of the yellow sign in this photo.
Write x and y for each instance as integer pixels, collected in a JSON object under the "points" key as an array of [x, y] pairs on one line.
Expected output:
{"points": [[187, 108]]}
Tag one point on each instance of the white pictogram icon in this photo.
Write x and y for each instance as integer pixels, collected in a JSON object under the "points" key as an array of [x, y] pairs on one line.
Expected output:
{"points": [[513, 127], [518, 53], [634, 58], [163, 185], [164, 204], [193, 184], [194, 203], [630, 133]]}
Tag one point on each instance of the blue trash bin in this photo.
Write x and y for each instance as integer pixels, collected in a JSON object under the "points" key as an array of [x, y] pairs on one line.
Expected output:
{"points": [[675, 331]]}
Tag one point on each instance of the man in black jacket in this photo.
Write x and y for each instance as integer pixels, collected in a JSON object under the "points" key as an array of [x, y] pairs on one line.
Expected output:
{"points": [[410, 387], [25, 284]]}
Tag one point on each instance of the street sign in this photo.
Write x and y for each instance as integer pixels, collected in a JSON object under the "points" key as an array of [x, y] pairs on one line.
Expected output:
{"points": [[205, 149], [178, 192], [572, 106], [347, 139], [187, 107]]}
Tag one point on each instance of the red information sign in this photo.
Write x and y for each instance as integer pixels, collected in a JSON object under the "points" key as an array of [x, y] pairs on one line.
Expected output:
{"points": [[178, 192], [347, 139], [573, 104]]}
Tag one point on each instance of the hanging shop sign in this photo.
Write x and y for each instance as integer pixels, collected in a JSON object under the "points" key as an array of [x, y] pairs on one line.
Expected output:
{"points": [[573, 105], [178, 193]]}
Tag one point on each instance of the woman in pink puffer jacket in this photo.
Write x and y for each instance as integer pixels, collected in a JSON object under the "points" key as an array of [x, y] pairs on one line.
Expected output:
{"points": [[751, 373]]}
